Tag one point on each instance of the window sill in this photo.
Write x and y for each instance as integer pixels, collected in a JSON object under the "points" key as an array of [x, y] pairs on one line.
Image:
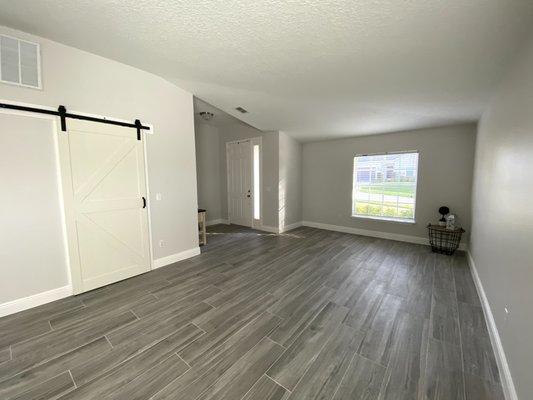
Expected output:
{"points": [[385, 219]]}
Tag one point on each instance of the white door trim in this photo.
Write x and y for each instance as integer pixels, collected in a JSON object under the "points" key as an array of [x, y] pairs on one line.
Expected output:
{"points": [[148, 198]]}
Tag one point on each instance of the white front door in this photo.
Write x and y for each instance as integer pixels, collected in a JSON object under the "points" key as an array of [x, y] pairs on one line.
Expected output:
{"points": [[239, 165], [104, 187]]}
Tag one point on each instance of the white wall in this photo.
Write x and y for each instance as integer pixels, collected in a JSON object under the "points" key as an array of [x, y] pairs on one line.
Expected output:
{"points": [[88, 83], [270, 173], [290, 181], [445, 177], [502, 230], [208, 169]]}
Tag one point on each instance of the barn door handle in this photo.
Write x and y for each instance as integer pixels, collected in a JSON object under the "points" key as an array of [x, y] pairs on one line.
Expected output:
{"points": [[144, 202]]}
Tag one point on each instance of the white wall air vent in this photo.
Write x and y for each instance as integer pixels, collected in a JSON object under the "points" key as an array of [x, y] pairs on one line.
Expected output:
{"points": [[20, 62]]}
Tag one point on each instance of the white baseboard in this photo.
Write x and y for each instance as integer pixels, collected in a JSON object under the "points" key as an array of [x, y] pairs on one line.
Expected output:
{"points": [[38, 299], [267, 228], [290, 227], [377, 234], [217, 221], [35, 300], [509, 390], [161, 262]]}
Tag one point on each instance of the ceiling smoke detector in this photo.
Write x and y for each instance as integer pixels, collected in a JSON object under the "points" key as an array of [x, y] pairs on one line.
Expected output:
{"points": [[241, 110], [206, 115]]}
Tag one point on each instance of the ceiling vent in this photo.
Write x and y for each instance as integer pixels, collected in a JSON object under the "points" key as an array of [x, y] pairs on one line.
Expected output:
{"points": [[241, 110], [20, 62]]}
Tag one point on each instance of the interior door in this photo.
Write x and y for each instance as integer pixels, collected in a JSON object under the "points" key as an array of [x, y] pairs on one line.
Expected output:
{"points": [[104, 188], [239, 168]]}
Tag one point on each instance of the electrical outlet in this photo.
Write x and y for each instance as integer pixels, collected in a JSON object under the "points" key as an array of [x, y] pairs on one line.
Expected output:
{"points": [[161, 243]]}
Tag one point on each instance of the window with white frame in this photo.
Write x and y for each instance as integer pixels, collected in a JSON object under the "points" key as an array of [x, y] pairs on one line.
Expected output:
{"points": [[257, 191], [384, 186]]}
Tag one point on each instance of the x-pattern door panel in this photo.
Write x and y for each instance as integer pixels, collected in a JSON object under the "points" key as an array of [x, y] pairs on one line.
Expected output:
{"points": [[103, 167]]}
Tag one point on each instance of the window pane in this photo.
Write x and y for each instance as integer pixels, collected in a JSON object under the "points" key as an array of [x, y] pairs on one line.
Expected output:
{"points": [[384, 186], [257, 212], [9, 56], [28, 64]]}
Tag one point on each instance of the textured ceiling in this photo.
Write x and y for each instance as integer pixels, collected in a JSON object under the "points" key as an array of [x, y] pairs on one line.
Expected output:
{"points": [[314, 69]]}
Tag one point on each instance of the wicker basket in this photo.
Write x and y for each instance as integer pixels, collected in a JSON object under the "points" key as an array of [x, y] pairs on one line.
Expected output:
{"points": [[444, 241]]}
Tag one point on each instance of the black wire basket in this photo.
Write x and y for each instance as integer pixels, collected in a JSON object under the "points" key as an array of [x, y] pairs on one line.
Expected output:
{"points": [[444, 241]]}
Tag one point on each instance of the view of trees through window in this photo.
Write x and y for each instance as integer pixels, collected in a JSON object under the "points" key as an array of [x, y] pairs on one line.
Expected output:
{"points": [[384, 186]]}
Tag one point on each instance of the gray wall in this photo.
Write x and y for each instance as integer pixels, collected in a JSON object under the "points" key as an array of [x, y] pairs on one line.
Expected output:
{"points": [[208, 169], [33, 254], [502, 230], [290, 181], [445, 177], [91, 84], [281, 187], [269, 186]]}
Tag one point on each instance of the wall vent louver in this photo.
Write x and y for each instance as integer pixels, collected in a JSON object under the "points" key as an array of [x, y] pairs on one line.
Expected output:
{"points": [[241, 110], [20, 62]]}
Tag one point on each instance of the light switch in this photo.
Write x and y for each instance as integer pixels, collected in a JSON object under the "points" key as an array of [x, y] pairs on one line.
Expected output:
{"points": [[158, 196]]}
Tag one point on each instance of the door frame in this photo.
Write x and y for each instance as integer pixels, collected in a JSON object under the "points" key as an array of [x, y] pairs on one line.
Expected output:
{"points": [[254, 223], [76, 287]]}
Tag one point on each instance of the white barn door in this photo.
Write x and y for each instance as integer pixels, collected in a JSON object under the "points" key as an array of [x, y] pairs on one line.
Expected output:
{"points": [[239, 169], [104, 188]]}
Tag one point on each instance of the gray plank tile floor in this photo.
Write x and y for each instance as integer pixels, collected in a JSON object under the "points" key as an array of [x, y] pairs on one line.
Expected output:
{"points": [[309, 314]]}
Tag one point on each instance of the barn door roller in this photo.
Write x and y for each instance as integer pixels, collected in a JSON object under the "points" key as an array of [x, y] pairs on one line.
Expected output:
{"points": [[63, 115]]}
